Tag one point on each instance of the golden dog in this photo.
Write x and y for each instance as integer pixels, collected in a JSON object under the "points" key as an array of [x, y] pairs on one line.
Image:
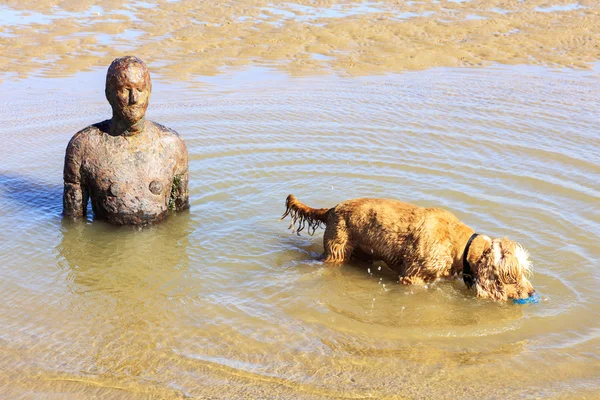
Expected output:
{"points": [[420, 244]]}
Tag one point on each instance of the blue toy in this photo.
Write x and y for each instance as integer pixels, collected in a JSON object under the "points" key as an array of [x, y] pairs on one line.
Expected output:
{"points": [[535, 298]]}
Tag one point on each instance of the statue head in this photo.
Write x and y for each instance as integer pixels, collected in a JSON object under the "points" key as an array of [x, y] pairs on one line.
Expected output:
{"points": [[128, 88]]}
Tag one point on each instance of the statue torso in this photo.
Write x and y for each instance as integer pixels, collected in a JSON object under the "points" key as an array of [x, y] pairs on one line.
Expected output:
{"points": [[129, 178]]}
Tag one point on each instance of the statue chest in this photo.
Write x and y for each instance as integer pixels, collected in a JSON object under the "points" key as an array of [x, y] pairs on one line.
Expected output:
{"points": [[129, 177]]}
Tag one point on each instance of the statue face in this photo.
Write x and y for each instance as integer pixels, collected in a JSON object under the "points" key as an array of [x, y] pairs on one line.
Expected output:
{"points": [[129, 92]]}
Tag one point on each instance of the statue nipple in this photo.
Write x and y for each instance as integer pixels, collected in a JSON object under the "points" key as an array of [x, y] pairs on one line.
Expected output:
{"points": [[156, 187]]}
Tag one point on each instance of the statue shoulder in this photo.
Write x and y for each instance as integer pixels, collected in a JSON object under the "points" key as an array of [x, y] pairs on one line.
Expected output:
{"points": [[170, 135], [86, 135], [165, 131]]}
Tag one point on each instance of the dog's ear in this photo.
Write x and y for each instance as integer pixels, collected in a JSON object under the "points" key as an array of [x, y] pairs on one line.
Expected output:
{"points": [[503, 264], [487, 277], [487, 284]]}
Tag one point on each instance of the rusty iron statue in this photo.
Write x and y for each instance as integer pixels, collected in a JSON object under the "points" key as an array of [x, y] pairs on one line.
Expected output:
{"points": [[133, 170]]}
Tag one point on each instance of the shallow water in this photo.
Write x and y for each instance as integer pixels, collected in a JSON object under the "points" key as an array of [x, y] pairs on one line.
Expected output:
{"points": [[224, 302], [272, 98]]}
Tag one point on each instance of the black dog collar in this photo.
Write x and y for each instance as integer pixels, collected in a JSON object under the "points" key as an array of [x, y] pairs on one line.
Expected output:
{"points": [[467, 272]]}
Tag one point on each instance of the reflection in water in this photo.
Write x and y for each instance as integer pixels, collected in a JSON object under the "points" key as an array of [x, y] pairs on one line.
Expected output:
{"points": [[27, 195], [127, 284]]}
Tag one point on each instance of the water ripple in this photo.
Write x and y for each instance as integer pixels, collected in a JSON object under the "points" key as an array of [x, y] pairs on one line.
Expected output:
{"points": [[224, 293]]}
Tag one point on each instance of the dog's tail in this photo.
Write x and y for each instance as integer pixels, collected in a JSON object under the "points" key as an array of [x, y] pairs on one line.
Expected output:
{"points": [[304, 216]]}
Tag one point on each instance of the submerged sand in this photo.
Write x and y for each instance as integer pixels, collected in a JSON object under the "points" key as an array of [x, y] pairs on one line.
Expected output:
{"points": [[186, 38]]}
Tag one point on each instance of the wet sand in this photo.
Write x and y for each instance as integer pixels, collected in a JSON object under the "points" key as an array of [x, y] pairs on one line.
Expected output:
{"points": [[187, 39]]}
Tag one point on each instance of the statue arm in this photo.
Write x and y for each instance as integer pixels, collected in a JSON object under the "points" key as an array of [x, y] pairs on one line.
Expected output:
{"points": [[180, 193], [75, 194]]}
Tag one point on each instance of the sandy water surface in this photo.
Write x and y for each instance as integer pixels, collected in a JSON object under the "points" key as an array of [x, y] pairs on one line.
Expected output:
{"points": [[223, 302]]}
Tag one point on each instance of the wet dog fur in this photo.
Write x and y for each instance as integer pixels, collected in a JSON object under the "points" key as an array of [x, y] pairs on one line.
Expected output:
{"points": [[420, 244]]}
